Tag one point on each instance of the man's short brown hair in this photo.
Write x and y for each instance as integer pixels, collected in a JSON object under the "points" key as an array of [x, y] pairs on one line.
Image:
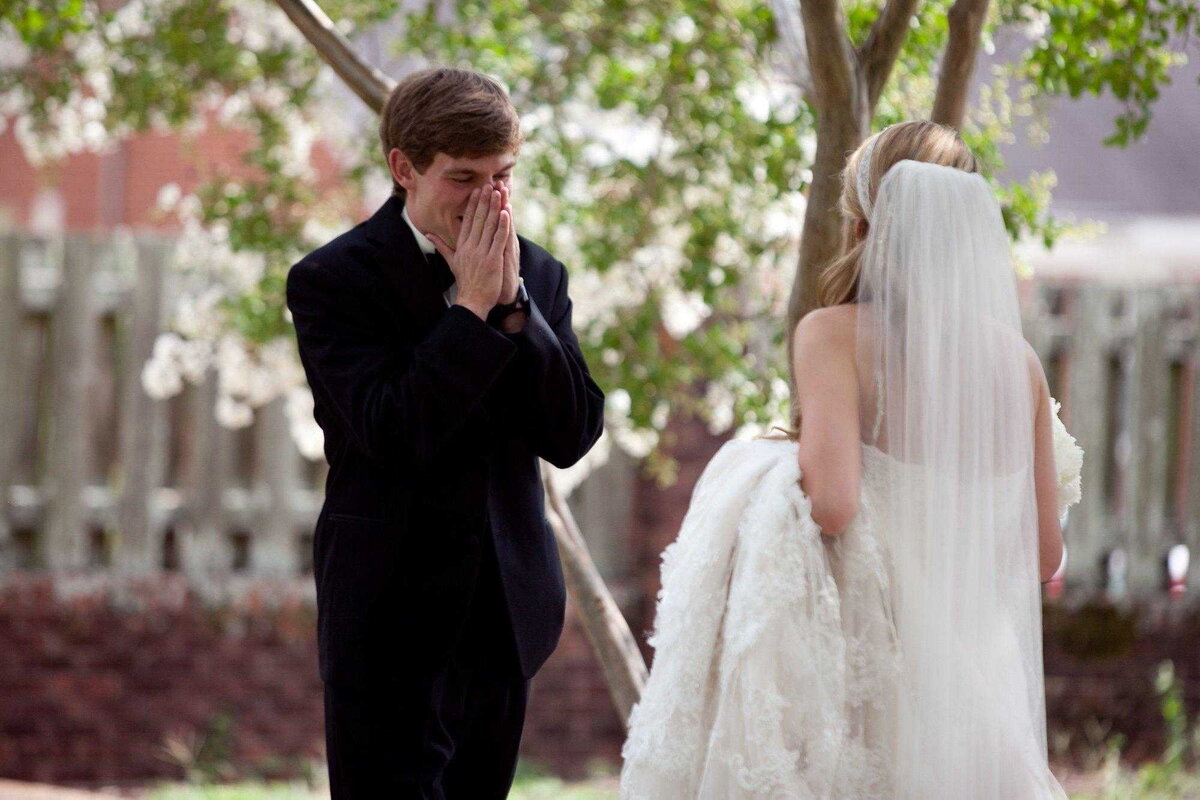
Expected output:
{"points": [[444, 110]]}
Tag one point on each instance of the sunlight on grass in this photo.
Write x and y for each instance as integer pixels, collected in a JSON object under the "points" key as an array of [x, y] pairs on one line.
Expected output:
{"points": [[554, 789], [1144, 784], [238, 791], [534, 784], [531, 784], [1113, 782], [1148, 783]]}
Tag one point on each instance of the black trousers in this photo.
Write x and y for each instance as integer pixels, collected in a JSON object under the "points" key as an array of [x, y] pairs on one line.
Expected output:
{"points": [[446, 734]]}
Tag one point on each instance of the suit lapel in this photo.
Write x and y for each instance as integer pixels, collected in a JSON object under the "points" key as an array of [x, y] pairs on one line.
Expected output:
{"points": [[404, 271]]}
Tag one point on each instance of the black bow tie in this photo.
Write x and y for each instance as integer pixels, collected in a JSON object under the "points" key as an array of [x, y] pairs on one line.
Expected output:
{"points": [[443, 278]]}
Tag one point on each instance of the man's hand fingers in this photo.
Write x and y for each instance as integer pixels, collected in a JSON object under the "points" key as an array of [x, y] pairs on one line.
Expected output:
{"points": [[506, 204], [468, 232], [493, 217], [480, 232], [446, 250], [500, 237]]}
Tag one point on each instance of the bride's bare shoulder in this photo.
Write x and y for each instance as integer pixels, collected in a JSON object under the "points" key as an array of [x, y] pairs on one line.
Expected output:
{"points": [[831, 325]]}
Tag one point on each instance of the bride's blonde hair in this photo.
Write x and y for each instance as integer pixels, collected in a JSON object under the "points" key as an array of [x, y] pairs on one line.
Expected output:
{"points": [[917, 140]]}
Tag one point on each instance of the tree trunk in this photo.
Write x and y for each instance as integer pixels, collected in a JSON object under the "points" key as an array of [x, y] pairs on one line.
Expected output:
{"points": [[605, 626], [842, 102], [965, 22], [613, 642]]}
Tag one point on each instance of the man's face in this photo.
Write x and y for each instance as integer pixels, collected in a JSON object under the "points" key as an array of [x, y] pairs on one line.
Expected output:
{"points": [[437, 197]]}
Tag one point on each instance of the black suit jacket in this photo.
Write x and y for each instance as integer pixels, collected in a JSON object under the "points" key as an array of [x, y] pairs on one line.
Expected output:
{"points": [[434, 422]]}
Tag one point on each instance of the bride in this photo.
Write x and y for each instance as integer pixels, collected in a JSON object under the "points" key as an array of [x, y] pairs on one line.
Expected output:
{"points": [[854, 612]]}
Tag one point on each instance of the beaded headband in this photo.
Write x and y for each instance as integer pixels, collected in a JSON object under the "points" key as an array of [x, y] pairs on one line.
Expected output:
{"points": [[863, 178]]}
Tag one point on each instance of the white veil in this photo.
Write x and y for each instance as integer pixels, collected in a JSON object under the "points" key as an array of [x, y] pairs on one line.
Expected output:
{"points": [[948, 402]]}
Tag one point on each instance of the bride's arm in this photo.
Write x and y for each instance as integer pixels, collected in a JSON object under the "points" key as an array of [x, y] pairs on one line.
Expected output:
{"points": [[1045, 479], [827, 394]]}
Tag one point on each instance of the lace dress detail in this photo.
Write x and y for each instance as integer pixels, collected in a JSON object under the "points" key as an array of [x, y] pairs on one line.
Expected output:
{"points": [[776, 657], [779, 672]]}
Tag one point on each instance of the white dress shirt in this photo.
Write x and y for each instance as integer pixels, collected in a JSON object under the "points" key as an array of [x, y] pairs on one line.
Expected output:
{"points": [[428, 248]]}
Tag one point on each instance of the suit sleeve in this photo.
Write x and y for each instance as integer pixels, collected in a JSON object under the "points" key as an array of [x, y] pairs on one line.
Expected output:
{"points": [[565, 407], [394, 400]]}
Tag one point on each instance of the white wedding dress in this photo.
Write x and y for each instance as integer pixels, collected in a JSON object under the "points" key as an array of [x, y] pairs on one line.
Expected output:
{"points": [[901, 659], [778, 670]]}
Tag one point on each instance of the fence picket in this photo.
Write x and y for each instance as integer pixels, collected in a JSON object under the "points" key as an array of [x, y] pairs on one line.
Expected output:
{"points": [[143, 426], [72, 327], [11, 386]]}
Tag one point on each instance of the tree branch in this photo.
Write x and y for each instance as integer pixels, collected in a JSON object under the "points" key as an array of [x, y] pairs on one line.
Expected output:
{"points": [[842, 121], [966, 18], [614, 644], [879, 52], [832, 61], [371, 85]]}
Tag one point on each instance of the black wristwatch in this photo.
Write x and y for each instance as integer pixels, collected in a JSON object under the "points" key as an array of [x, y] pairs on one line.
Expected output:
{"points": [[501, 312]]}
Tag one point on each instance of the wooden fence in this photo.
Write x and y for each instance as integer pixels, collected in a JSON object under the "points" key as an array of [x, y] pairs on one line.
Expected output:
{"points": [[96, 474], [1123, 362], [97, 477]]}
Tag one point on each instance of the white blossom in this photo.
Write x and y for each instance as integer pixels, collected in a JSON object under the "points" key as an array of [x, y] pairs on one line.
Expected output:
{"points": [[130, 21], [636, 443], [682, 312], [719, 402], [193, 358], [241, 376], [14, 53], [233, 414], [161, 378], [619, 403], [660, 415], [169, 195], [682, 28]]}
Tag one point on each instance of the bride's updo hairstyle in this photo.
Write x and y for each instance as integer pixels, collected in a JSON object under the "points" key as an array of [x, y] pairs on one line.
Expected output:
{"points": [[918, 140]]}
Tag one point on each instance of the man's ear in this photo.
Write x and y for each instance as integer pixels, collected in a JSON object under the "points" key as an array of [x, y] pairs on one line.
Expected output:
{"points": [[861, 226], [403, 171]]}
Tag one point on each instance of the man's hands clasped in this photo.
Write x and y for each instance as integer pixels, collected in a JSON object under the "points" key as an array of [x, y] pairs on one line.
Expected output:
{"points": [[486, 260]]}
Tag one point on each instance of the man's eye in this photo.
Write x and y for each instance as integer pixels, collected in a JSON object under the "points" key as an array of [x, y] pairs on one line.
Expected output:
{"points": [[461, 180]]}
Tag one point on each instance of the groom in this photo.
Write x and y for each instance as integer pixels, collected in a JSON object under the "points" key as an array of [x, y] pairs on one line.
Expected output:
{"points": [[439, 349]]}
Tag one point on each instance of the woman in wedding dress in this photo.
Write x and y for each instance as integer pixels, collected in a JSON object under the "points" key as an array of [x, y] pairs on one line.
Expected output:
{"points": [[854, 611]]}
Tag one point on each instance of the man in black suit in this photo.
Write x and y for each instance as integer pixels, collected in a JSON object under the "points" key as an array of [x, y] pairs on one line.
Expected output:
{"points": [[439, 349]]}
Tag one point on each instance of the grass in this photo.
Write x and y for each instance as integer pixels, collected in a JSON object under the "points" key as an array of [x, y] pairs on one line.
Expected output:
{"points": [[1156, 781], [237, 791], [530, 784], [1148, 783], [1174, 777]]}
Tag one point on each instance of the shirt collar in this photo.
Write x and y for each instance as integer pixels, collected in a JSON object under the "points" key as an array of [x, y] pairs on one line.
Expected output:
{"points": [[427, 247]]}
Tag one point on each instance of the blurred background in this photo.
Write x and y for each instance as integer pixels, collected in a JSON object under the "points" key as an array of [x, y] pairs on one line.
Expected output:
{"points": [[164, 163]]}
